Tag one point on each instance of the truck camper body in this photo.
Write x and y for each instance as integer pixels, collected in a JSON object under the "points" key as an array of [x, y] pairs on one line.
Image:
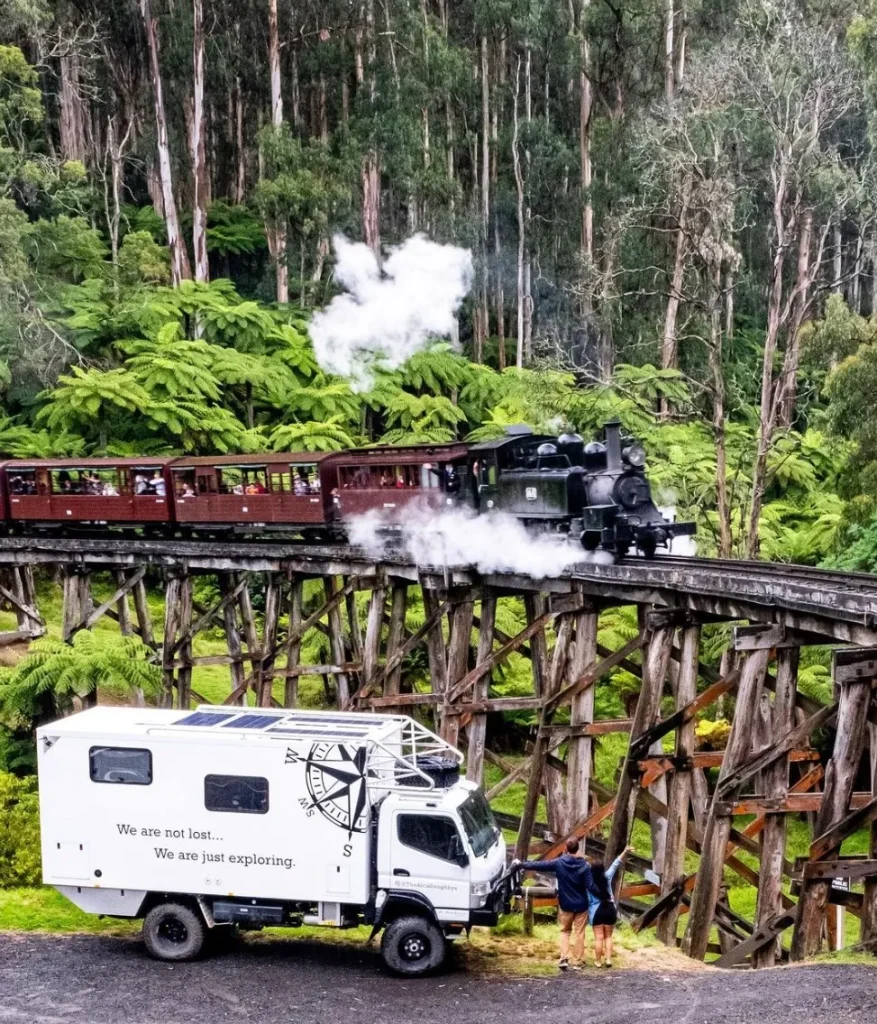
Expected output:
{"points": [[242, 817]]}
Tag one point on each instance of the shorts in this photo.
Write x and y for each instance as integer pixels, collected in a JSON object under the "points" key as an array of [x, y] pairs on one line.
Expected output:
{"points": [[605, 914]]}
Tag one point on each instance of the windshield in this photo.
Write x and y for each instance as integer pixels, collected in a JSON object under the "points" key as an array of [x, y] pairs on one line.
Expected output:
{"points": [[478, 821]]}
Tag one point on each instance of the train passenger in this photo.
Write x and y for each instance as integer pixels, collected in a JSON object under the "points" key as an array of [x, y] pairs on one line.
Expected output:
{"points": [[256, 487], [110, 490], [300, 484], [188, 491], [157, 484], [140, 484]]}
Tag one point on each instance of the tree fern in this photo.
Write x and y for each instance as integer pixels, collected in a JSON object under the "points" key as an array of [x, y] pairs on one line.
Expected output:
{"points": [[46, 681]]}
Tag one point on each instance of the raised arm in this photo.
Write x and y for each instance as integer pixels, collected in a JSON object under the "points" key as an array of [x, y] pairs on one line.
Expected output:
{"points": [[616, 864], [536, 865]]}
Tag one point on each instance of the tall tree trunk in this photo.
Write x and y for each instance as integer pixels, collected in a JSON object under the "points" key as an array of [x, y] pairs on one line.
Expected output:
{"points": [[837, 262], [240, 180], [484, 316], [669, 341], [682, 46], [585, 103], [723, 509], [873, 255], [72, 110], [370, 173], [519, 188], [199, 153], [856, 283], [782, 163], [276, 231], [180, 269], [528, 267], [669, 64], [788, 383]]}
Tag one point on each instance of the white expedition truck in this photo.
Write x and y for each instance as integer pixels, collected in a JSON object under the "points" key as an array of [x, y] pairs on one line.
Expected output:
{"points": [[201, 821]]}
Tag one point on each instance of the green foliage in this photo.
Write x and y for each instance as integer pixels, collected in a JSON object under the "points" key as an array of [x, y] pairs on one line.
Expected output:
{"points": [[234, 230], [53, 674], [19, 831], [66, 249], [21, 103], [325, 436], [142, 260]]}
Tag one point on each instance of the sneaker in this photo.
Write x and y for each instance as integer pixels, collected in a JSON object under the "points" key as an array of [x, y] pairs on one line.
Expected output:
{"points": [[564, 964], [576, 967], [608, 963]]}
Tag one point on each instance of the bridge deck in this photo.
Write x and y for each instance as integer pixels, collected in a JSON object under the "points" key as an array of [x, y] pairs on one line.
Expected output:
{"points": [[840, 607]]}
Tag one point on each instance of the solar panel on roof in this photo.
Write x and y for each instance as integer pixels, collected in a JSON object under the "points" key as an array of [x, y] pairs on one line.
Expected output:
{"points": [[251, 722], [205, 718], [359, 720], [327, 733]]}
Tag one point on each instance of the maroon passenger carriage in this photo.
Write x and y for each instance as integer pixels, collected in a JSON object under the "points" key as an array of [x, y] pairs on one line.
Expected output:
{"points": [[54, 492], [312, 495], [281, 491], [394, 480]]}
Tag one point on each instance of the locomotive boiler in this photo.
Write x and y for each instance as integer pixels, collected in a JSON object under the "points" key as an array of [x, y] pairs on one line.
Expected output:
{"points": [[596, 492]]}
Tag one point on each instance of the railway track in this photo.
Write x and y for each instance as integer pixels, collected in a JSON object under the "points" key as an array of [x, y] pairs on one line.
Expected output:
{"points": [[839, 606]]}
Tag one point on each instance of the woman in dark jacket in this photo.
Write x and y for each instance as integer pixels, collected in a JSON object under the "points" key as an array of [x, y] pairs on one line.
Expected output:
{"points": [[602, 910]]}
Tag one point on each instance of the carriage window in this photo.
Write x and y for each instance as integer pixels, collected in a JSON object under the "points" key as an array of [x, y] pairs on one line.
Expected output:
{"points": [[85, 481], [23, 481], [360, 478], [185, 483], [305, 479], [127, 765], [147, 480], [279, 481], [243, 480], [239, 794]]}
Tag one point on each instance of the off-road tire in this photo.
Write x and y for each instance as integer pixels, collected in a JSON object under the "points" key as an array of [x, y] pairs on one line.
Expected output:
{"points": [[413, 946], [173, 932]]}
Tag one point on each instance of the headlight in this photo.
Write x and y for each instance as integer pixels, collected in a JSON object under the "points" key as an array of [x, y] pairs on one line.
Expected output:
{"points": [[635, 456], [480, 889]]}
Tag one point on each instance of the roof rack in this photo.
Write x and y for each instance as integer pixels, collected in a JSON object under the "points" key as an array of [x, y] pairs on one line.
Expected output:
{"points": [[396, 746]]}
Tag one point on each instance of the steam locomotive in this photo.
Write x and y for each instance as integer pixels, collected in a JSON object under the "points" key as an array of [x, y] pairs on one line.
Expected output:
{"points": [[595, 492]]}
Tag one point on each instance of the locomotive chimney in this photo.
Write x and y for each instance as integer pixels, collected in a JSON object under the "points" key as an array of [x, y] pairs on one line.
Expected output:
{"points": [[613, 446]]}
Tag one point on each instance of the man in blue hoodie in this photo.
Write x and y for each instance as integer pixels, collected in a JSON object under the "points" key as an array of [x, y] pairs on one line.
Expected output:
{"points": [[573, 884]]}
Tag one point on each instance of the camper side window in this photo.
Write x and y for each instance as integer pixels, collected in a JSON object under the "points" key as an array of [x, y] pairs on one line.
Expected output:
{"points": [[120, 764], [437, 837], [240, 794]]}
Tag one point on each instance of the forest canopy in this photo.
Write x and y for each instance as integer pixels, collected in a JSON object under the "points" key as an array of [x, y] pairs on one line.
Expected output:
{"points": [[670, 207]]}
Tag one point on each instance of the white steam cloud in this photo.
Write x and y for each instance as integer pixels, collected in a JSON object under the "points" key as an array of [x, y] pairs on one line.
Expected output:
{"points": [[492, 543], [388, 314]]}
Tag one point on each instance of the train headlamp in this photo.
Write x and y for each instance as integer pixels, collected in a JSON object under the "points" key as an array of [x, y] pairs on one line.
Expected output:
{"points": [[635, 456]]}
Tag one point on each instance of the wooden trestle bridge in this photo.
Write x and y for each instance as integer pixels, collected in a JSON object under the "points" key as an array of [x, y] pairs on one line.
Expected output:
{"points": [[769, 769]]}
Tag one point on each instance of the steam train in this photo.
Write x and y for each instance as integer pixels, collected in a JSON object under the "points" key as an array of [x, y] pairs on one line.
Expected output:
{"points": [[595, 492]]}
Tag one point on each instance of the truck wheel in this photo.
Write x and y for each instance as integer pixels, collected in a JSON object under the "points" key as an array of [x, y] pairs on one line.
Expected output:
{"points": [[412, 946], [173, 932]]}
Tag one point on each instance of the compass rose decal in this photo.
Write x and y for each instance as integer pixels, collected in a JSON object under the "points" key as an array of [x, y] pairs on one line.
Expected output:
{"points": [[336, 780]]}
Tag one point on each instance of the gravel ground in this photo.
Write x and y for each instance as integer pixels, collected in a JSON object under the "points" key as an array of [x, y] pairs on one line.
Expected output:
{"points": [[90, 980]]}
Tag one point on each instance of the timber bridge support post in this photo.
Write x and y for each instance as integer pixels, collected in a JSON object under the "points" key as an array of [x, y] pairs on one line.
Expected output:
{"points": [[332, 624]]}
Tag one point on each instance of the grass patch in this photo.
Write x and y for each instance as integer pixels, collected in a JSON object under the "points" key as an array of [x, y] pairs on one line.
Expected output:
{"points": [[46, 910]]}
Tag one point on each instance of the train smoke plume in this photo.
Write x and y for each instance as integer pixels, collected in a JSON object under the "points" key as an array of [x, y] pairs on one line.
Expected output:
{"points": [[388, 314], [457, 537]]}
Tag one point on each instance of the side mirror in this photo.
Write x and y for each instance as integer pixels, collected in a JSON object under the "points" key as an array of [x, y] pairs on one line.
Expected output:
{"points": [[458, 852]]}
